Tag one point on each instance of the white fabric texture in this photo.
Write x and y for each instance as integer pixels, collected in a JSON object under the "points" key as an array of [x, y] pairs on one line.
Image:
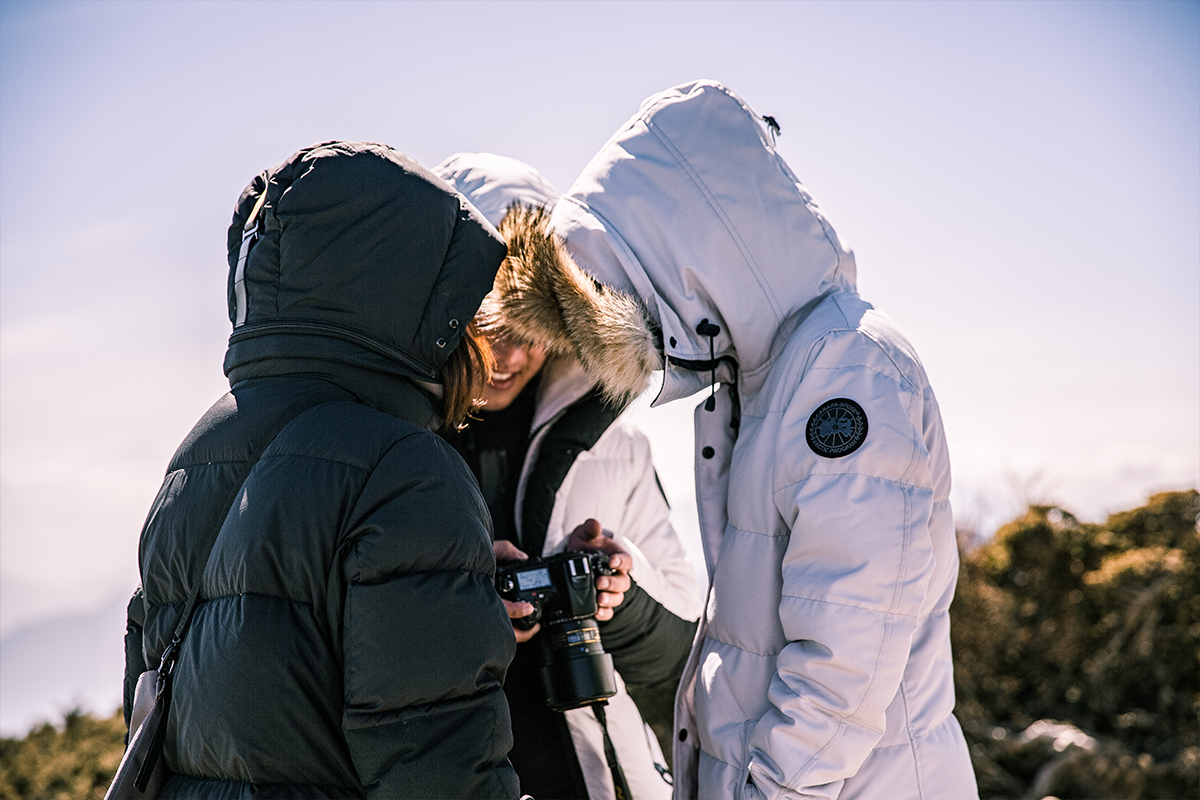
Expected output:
{"points": [[613, 482], [822, 667], [493, 183]]}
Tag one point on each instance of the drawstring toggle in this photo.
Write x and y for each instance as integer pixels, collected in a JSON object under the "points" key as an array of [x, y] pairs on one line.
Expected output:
{"points": [[772, 127], [711, 330]]}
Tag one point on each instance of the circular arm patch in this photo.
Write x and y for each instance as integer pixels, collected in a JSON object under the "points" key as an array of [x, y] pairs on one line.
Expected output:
{"points": [[837, 428]]}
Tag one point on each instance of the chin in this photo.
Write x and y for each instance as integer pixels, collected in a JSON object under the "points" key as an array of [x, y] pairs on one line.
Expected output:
{"points": [[498, 401]]}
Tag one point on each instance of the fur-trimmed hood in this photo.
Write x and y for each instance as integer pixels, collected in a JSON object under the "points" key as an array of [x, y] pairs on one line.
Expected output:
{"points": [[542, 295]]}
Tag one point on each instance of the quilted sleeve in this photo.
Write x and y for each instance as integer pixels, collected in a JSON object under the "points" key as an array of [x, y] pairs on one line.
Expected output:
{"points": [[135, 659], [425, 637], [852, 484]]}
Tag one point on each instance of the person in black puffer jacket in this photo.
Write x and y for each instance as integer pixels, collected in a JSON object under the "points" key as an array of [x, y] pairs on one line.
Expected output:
{"points": [[348, 640]]}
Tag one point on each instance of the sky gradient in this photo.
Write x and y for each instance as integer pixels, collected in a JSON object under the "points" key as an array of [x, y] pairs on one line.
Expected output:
{"points": [[1020, 182]]}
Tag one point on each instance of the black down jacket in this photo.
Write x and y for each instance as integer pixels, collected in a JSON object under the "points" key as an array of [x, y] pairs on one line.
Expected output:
{"points": [[348, 641]]}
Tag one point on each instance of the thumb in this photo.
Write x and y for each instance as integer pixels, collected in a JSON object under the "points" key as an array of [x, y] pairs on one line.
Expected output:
{"points": [[592, 530]]}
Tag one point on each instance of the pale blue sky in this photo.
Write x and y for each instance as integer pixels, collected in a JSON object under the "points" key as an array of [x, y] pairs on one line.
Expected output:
{"points": [[1020, 182]]}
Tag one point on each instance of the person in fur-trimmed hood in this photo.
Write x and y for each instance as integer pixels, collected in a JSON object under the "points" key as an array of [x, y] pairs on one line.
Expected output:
{"points": [[551, 451], [822, 665]]}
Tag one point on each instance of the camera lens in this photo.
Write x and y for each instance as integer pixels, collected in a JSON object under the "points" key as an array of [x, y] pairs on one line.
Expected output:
{"points": [[576, 671]]}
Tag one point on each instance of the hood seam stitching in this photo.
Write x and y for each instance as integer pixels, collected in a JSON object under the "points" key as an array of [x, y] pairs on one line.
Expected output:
{"points": [[730, 229]]}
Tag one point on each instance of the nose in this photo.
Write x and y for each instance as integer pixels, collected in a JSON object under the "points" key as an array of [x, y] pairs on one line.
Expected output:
{"points": [[510, 356]]}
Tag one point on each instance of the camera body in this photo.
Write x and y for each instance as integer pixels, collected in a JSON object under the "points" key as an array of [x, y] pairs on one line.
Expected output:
{"points": [[562, 589]]}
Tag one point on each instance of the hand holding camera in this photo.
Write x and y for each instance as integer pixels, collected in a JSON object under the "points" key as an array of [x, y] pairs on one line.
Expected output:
{"points": [[507, 553], [567, 592], [610, 585], [590, 536]]}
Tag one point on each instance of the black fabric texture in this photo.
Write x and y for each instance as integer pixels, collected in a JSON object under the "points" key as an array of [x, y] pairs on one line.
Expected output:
{"points": [[398, 256], [543, 753], [348, 640], [310, 607], [648, 643], [178, 787], [494, 446]]}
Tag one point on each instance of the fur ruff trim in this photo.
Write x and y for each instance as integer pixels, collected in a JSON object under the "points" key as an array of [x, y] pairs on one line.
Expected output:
{"points": [[542, 295]]}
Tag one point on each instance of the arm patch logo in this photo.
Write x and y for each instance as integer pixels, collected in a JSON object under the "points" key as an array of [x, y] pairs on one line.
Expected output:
{"points": [[837, 428]]}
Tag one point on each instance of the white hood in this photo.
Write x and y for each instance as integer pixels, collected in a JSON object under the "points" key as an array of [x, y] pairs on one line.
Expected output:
{"points": [[689, 207], [493, 183]]}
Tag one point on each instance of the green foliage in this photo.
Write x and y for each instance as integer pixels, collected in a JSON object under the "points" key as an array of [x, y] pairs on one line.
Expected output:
{"points": [[74, 762], [1098, 625]]}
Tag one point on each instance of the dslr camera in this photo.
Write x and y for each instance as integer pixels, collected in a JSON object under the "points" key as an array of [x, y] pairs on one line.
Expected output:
{"points": [[562, 588]]}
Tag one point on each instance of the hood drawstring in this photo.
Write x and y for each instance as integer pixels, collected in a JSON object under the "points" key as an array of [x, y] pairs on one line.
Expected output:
{"points": [[711, 330]]}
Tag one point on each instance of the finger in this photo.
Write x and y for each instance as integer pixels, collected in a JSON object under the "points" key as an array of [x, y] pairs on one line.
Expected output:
{"points": [[525, 636], [517, 610], [610, 599], [621, 561], [618, 584], [593, 529], [603, 614], [507, 551], [590, 533]]}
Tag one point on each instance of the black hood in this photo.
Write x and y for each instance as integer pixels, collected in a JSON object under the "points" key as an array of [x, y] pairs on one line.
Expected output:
{"points": [[362, 257]]}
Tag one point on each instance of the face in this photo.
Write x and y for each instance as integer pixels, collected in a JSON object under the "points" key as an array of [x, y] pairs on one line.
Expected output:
{"points": [[516, 364]]}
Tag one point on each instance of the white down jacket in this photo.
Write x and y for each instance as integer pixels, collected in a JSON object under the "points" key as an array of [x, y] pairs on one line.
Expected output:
{"points": [[822, 664], [614, 482]]}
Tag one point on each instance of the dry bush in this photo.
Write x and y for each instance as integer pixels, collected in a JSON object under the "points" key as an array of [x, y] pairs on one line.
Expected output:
{"points": [[1093, 625], [71, 762]]}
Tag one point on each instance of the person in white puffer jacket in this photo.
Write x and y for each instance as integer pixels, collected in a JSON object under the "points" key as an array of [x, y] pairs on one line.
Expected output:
{"points": [[550, 453], [822, 666]]}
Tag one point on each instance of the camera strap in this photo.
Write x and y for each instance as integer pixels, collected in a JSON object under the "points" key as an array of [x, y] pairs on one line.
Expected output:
{"points": [[620, 785]]}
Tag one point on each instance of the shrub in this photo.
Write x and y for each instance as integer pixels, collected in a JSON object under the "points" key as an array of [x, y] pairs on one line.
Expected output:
{"points": [[1096, 625], [71, 762]]}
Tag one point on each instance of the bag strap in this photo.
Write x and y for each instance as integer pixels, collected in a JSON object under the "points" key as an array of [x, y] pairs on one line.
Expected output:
{"points": [[166, 665]]}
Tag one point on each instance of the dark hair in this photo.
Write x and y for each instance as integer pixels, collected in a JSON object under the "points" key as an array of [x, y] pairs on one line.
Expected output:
{"points": [[467, 369]]}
